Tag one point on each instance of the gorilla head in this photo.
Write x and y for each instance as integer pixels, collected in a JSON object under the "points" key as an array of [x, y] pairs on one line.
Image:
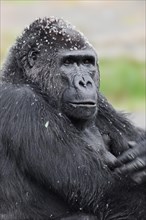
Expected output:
{"points": [[59, 59]]}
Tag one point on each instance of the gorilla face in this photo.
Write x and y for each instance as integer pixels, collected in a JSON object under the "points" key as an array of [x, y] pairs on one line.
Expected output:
{"points": [[71, 81], [79, 99]]}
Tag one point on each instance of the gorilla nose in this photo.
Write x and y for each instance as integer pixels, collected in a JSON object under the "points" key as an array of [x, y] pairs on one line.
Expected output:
{"points": [[83, 82]]}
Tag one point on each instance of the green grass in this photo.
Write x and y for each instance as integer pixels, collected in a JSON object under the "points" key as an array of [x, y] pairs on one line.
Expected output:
{"points": [[123, 82]]}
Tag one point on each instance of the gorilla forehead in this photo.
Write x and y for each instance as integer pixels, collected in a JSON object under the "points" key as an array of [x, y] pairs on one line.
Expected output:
{"points": [[55, 33]]}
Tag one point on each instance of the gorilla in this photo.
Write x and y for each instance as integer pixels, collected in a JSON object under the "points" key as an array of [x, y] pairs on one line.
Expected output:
{"points": [[65, 153]]}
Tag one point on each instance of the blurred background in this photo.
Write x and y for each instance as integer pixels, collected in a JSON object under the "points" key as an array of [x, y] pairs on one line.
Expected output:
{"points": [[115, 28]]}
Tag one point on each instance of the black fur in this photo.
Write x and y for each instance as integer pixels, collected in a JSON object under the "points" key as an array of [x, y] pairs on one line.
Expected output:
{"points": [[53, 166]]}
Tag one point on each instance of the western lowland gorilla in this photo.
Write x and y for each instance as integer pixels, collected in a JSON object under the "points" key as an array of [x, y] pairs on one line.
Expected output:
{"points": [[65, 153]]}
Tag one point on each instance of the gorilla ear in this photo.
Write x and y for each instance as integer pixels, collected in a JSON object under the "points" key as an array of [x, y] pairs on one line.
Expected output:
{"points": [[32, 57]]}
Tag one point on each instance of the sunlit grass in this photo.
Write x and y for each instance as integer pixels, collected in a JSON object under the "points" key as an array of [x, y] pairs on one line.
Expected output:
{"points": [[123, 82]]}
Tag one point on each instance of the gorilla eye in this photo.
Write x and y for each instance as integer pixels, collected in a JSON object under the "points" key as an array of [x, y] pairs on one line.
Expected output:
{"points": [[68, 61], [89, 61], [86, 61]]}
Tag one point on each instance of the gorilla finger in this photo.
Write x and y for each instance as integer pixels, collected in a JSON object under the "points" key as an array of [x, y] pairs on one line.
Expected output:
{"points": [[128, 156], [140, 177], [110, 160], [140, 147], [132, 167], [131, 144], [117, 164], [132, 153]]}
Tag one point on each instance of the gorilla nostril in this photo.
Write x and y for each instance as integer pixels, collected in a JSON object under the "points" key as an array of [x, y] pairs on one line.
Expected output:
{"points": [[81, 83], [85, 84], [89, 83]]}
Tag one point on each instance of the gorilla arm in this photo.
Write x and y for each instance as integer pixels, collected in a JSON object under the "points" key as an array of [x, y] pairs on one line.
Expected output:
{"points": [[40, 142], [127, 142]]}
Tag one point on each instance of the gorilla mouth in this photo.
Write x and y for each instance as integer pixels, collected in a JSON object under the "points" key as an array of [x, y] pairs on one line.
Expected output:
{"points": [[83, 104]]}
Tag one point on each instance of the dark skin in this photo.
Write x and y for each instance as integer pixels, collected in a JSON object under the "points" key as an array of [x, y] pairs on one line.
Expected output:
{"points": [[79, 68], [60, 163]]}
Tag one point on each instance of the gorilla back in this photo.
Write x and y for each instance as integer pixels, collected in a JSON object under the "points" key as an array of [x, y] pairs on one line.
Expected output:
{"points": [[53, 160]]}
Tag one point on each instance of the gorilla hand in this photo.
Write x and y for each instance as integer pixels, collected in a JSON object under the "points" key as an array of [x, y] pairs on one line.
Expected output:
{"points": [[133, 162]]}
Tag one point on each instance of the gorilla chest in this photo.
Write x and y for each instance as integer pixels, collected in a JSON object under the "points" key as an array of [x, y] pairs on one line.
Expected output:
{"points": [[94, 139]]}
